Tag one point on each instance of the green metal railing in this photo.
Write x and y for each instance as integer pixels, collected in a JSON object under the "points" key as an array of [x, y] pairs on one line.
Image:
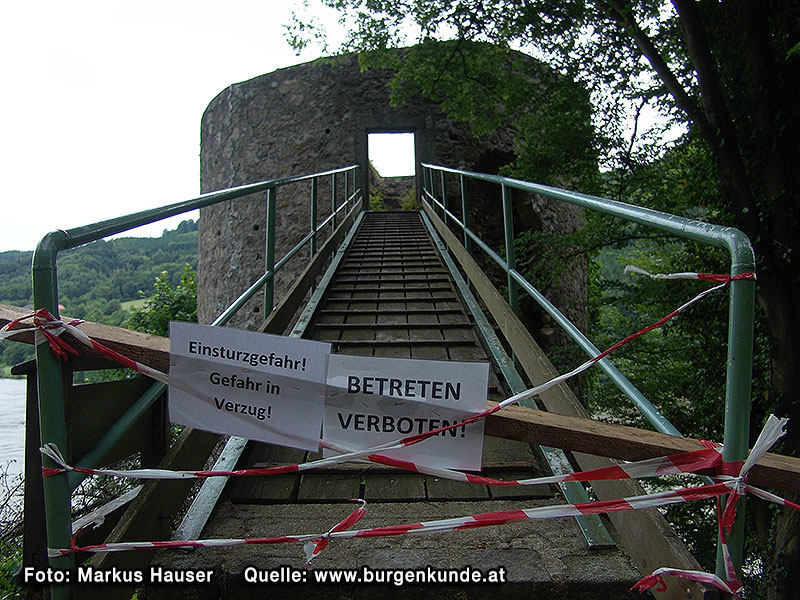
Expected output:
{"points": [[58, 489], [741, 310]]}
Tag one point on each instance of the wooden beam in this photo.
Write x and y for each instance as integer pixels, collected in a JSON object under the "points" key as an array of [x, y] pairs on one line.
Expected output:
{"points": [[148, 349], [576, 433], [619, 441]]}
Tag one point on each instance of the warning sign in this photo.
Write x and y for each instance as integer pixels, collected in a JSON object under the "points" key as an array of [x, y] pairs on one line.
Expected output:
{"points": [[375, 400], [254, 385]]}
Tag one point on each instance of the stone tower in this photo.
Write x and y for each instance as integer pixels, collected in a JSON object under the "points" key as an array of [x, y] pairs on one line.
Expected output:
{"points": [[305, 119]]}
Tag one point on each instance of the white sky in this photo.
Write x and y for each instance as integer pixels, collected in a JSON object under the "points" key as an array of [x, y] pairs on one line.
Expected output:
{"points": [[392, 154], [101, 101]]}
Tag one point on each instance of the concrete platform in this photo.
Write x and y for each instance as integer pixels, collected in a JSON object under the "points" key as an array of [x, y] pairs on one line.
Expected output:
{"points": [[543, 560]]}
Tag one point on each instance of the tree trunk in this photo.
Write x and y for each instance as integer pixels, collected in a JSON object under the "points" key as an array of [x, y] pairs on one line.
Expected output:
{"points": [[749, 98], [780, 297]]}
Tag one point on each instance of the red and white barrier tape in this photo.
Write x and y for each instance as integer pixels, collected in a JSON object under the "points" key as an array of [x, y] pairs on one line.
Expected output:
{"points": [[373, 453], [49, 329], [438, 526], [718, 277], [732, 475], [676, 464], [656, 581], [727, 485], [314, 543]]}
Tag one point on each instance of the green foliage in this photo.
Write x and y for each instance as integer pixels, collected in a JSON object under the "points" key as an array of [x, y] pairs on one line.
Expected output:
{"points": [[485, 85], [679, 367], [408, 201], [10, 560], [726, 72], [10, 532], [95, 280], [91, 276], [376, 200], [168, 303]]}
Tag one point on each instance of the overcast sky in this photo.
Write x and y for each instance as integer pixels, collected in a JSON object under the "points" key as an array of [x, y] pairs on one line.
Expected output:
{"points": [[101, 102]]}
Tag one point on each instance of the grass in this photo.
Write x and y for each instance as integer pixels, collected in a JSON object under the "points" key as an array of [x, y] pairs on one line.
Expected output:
{"points": [[139, 303]]}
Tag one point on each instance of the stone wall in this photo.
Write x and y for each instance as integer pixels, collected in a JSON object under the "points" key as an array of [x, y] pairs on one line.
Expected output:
{"points": [[313, 117]]}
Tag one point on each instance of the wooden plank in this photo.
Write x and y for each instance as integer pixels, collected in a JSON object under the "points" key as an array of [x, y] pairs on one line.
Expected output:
{"points": [[425, 300], [441, 343], [499, 451], [358, 336], [152, 512], [34, 534], [258, 454], [587, 436], [391, 351], [86, 424], [394, 487], [329, 488], [466, 353], [447, 489], [426, 334], [391, 311], [278, 489], [458, 334], [394, 318], [393, 323], [429, 352], [420, 286], [267, 490], [519, 492], [352, 321]]}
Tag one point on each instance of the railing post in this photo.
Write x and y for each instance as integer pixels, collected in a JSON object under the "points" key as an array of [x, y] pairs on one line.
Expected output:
{"points": [[433, 188], [511, 260], [333, 203], [444, 196], [465, 213], [314, 189], [737, 398], [53, 428], [269, 288]]}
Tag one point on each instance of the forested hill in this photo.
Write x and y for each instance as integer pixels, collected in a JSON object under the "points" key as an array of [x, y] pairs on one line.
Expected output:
{"points": [[95, 280]]}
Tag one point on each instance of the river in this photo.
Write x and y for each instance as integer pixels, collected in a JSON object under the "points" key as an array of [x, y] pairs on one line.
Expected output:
{"points": [[12, 427]]}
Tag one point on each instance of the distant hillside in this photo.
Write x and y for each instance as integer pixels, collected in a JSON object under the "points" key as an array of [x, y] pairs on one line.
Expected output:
{"points": [[94, 280]]}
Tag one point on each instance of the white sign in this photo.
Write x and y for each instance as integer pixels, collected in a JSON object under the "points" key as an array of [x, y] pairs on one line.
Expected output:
{"points": [[254, 385], [375, 400]]}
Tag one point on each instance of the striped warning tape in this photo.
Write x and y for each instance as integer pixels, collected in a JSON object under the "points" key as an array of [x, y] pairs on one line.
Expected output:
{"points": [[732, 485], [48, 329], [731, 476], [374, 453]]}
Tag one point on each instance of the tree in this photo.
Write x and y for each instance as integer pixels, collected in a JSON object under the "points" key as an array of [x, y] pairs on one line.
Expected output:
{"points": [[168, 303], [727, 71]]}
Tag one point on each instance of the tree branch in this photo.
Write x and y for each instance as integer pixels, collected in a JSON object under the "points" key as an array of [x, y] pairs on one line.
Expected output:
{"points": [[714, 123], [724, 139], [620, 12]]}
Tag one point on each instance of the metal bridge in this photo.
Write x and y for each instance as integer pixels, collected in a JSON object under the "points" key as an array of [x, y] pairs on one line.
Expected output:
{"points": [[403, 284]]}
